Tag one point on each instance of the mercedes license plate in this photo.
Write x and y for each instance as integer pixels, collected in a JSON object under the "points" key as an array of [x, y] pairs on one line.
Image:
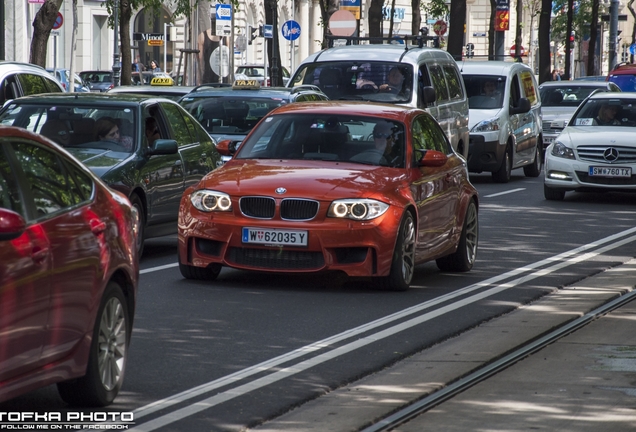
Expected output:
{"points": [[610, 171], [274, 236]]}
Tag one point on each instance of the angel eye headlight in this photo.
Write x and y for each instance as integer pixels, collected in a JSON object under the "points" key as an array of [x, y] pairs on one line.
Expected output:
{"points": [[357, 209], [209, 201]]}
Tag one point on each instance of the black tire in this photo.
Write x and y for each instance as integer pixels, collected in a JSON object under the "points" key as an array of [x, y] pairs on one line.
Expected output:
{"points": [[141, 227], [403, 262], [209, 273], [534, 169], [553, 194], [463, 259], [107, 357], [502, 175]]}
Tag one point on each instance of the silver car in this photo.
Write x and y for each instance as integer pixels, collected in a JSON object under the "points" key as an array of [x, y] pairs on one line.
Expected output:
{"points": [[561, 98]]}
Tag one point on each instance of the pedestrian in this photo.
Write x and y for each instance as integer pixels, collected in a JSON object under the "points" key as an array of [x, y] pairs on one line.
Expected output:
{"points": [[555, 75], [154, 66], [138, 66]]}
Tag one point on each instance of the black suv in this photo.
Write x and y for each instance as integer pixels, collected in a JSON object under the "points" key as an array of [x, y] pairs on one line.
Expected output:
{"points": [[230, 112]]}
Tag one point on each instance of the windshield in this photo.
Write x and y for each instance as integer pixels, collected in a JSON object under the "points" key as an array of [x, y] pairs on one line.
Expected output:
{"points": [[566, 96], [606, 112], [485, 91], [104, 128], [229, 114], [327, 137], [373, 81], [95, 77]]}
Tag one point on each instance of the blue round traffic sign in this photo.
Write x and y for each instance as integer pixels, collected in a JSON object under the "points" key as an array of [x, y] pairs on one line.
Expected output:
{"points": [[290, 30], [59, 20], [632, 49]]}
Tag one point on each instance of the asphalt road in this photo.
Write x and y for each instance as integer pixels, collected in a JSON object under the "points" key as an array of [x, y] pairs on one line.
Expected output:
{"points": [[246, 348]]}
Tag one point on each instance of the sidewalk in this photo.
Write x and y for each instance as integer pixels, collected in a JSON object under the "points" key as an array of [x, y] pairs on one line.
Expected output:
{"points": [[583, 382]]}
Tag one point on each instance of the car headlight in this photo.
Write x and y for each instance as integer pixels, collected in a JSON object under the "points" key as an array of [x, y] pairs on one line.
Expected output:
{"points": [[486, 125], [357, 209], [209, 201], [561, 150]]}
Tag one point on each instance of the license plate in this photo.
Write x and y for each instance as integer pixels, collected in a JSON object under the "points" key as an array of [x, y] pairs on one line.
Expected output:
{"points": [[610, 172], [274, 236]]}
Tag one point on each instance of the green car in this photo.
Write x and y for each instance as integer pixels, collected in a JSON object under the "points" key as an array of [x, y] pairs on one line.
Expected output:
{"points": [[151, 149]]}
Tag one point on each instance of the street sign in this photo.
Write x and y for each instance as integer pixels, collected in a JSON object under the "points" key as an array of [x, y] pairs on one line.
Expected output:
{"points": [[290, 30], [632, 49], [59, 20], [513, 49], [268, 31], [224, 12], [440, 27], [342, 23]]}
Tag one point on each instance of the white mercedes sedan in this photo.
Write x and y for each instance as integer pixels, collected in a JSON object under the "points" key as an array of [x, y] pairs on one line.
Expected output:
{"points": [[597, 150]]}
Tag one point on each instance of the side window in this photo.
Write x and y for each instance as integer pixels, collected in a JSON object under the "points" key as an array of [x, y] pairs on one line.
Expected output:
{"points": [[529, 88], [52, 86], [515, 91], [423, 80], [427, 135], [83, 183], [9, 193], [178, 124], [8, 89], [32, 84], [439, 83], [48, 179], [193, 130], [454, 85]]}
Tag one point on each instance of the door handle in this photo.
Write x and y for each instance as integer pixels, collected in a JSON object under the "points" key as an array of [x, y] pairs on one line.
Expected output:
{"points": [[97, 226], [39, 254]]}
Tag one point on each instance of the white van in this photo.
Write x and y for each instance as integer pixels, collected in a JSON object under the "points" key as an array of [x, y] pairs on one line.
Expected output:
{"points": [[430, 80], [505, 118]]}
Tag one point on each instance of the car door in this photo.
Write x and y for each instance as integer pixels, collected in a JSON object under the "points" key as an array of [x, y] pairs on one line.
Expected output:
{"points": [[61, 196], [521, 124], [25, 270], [163, 173], [435, 189]]}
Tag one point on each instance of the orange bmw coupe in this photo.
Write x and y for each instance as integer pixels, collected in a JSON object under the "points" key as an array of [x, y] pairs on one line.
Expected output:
{"points": [[370, 190]]}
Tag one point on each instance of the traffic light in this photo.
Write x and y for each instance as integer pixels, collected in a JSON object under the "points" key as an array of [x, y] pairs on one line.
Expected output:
{"points": [[625, 57], [470, 50], [254, 32], [572, 37]]}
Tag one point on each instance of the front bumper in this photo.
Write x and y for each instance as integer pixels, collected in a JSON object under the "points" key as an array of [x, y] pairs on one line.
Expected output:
{"points": [[569, 175], [355, 248], [484, 153]]}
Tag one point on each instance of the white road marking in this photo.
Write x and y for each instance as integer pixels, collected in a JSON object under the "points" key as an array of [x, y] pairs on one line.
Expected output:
{"points": [[154, 269], [558, 261], [505, 192]]}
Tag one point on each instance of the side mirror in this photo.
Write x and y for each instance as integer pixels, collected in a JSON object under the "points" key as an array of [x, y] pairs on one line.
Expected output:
{"points": [[228, 147], [522, 107], [164, 147], [428, 95], [12, 225], [432, 158]]}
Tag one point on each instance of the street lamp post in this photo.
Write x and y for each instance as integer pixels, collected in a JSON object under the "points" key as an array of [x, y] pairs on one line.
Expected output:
{"points": [[165, 47], [116, 65], [274, 75]]}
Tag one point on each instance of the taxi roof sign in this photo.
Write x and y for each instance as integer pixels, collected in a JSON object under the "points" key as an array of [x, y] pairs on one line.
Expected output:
{"points": [[162, 81], [244, 84]]}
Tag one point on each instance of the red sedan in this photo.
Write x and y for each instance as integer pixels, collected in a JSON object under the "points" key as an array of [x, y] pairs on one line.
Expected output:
{"points": [[68, 274], [366, 189]]}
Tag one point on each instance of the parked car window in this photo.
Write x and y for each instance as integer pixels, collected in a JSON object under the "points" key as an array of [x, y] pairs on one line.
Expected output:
{"points": [[49, 182], [439, 83], [454, 85], [178, 125], [32, 84], [9, 193]]}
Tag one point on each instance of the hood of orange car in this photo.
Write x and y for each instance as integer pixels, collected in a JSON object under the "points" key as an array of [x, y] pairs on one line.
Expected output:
{"points": [[312, 179]]}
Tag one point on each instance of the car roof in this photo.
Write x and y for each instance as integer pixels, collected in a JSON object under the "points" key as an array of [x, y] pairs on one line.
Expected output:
{"points": [[265, 92], [353, 108], [20, 66], [624, 69], [613, 95], [82, 98], [383, 52], [497, 68], [150, 89], [575, 83]]}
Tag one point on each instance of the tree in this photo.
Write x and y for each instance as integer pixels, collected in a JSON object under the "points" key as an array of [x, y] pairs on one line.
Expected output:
{"points": [[544, 41], [375, 20], [417, 17], [456, 27], [591, 53], [42, 26]]}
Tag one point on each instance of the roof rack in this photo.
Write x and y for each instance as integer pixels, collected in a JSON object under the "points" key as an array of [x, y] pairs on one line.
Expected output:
{"points": [[420, 39]]}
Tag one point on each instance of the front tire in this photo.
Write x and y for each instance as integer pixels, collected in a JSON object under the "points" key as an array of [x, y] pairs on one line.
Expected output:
{"points": [[464, 257], [502, 175], [107, 357], [141, 223], [403, 262]]}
